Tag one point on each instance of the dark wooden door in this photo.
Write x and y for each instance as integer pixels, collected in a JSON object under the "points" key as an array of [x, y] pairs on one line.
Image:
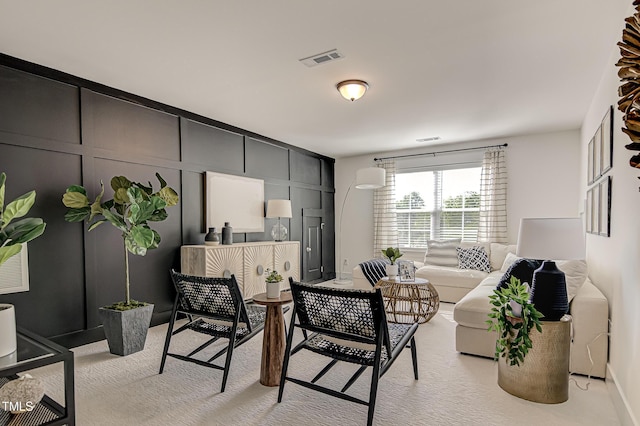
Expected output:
{"points": [[312, 244]]}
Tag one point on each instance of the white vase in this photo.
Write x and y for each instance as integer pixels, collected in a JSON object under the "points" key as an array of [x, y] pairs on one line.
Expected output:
{"points": [[8, 342], [273, 290], [392, 270]]}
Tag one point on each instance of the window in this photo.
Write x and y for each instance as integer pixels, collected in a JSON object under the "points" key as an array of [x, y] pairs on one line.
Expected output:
{"points": [[438, 204]]}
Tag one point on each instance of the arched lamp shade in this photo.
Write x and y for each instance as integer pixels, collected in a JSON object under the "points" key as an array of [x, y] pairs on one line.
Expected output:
{"points": [[352, 90], [370, 178]]}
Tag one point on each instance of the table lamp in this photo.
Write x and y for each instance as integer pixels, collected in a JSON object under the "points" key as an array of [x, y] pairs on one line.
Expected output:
{"points": [[550, 238], [279, 209]]}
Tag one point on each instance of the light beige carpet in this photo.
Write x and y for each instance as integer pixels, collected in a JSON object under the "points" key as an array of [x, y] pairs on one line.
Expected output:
{"points": [[453, 389]]}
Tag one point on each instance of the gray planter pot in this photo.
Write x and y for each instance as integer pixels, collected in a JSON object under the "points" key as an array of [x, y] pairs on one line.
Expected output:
{"points": [[126, 331]]}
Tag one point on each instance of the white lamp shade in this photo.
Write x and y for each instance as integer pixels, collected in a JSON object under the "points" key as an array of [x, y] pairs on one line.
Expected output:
{"points": [[352, 90], [551, 239], [370, 178], [279, 208]]}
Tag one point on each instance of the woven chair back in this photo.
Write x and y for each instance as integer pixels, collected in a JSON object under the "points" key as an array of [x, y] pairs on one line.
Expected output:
{"points": [[214, 297], [356, 315]]}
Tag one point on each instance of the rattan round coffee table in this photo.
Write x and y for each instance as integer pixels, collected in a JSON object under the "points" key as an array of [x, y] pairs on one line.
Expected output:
{"points": [[407, 302]]}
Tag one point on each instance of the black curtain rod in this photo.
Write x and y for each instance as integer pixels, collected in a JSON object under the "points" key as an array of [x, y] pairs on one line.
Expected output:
{"points": [[441, 152]]}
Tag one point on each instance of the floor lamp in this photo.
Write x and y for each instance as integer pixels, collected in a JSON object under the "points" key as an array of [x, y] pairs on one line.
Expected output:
{"points": [[367, 178]]}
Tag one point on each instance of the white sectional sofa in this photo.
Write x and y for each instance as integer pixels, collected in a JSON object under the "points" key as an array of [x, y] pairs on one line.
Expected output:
{"points": [[470, 290]]}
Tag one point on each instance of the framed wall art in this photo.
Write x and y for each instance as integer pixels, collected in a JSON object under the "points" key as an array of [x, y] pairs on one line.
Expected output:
{"points": [[590, 167], [606, 149], [597, 154], [604, 214], [589, 211]]}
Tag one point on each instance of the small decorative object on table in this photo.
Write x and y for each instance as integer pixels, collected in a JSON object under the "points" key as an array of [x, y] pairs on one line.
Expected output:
{"points": [[392, 254], [212, 238], [273, 280], [23, 393], [227, 234], [407, 270]]}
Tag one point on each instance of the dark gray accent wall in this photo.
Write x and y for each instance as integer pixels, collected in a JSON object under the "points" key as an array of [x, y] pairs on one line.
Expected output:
{"points": [[57, 130]]}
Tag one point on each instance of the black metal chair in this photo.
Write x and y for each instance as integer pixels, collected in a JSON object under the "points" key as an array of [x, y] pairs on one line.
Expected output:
{"points": [[346, 325], [214, 306]]}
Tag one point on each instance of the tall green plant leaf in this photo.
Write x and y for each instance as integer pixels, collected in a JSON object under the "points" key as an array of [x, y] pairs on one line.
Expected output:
{"points": [[24, 230], [3, 179], [74, 199], [115, 220], [8, 251], [163, 183], [77, 215], [96, 207], [18, 207], [169, 196]]}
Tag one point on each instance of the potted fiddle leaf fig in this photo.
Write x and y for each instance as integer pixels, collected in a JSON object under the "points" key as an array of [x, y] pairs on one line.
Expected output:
{"points": [[392, 254], [13, 234], [131, 210]]}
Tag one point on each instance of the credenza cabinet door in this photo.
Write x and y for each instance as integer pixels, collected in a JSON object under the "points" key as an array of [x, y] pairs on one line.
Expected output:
{"points": [[286, 260], [257, 259]]}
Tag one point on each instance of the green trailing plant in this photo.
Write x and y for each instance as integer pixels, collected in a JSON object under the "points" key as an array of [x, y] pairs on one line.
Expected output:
{"points": [[273, 276], [14, 234], [392, 254], [514, 341], [133, 206]]}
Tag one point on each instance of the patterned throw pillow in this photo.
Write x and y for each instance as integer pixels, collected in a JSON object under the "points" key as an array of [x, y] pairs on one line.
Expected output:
{"points": [[473, 258]]}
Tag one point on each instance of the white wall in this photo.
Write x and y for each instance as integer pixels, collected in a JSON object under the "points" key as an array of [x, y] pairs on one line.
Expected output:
{"points": [[543, 172], [614, 263]]}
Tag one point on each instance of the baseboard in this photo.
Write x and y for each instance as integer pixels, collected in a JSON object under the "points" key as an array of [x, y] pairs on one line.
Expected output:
{"points": [[620, 402]]}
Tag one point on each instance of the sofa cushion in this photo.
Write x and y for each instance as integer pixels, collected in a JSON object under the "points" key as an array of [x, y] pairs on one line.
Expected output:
{"points": [[442, 253], [498, 252], [522, 269], [473, 258], [451, 276], [473, 309]]}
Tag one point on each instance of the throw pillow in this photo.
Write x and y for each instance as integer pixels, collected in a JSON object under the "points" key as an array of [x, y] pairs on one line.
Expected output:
{"points": [[473, 258], [442, 253], [508, 261], [522, 269], [575, 274], [499, 253]]}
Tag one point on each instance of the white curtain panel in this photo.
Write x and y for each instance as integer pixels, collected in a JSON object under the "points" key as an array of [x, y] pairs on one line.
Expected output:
{"points": [[385, 223], [493, 197]]}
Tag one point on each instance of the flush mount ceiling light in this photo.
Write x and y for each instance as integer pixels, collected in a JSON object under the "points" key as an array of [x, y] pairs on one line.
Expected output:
{"points": [[352, 90]]}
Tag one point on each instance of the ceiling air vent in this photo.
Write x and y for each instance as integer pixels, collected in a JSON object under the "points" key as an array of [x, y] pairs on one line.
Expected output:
{"points": [[322, 58], [431, 139]]}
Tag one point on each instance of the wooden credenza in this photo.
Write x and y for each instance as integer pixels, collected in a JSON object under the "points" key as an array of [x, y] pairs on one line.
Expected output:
{"points": [[247, 261]]}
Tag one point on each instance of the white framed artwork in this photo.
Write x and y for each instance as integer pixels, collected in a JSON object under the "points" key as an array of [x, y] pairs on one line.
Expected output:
{"points": [[238, 200], [14, 273]]}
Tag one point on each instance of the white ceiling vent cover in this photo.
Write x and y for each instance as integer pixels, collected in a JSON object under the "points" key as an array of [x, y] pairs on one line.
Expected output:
{"points": [[322, 58]]}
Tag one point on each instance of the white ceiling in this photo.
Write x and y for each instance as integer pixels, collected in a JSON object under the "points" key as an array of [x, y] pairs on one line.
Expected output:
{"points": [[462, 70]]}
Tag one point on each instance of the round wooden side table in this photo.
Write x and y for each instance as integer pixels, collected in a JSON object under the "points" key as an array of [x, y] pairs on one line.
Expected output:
{"points": [[407, 302], [273, 340]]}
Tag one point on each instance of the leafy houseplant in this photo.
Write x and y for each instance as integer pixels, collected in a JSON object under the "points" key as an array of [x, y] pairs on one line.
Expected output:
{"points": [[133, 206], [272, 281], [392, 254], [273, 276], [12, 236], [514, 341]]}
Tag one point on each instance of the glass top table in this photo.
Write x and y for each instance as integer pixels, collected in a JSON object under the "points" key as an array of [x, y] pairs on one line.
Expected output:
{"points": [[34, 351]]}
